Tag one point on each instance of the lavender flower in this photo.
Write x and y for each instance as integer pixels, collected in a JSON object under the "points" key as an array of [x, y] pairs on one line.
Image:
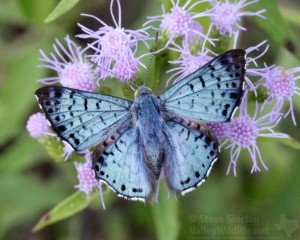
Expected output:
{"points": [[243, 131], [226, 15], [252, 61], [126, 69], [37, 125], [180, 22], [73, 70], [219, 129], [281, 86], [187, 62], [86, 177], [115, 47]]}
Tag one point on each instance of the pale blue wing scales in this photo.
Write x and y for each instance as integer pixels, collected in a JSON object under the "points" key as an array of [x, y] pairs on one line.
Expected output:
{"points": [[212, 92], [122, 167], [82, 118], [189, 158]]}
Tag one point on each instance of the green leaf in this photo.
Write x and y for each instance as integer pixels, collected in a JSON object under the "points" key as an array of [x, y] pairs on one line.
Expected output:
{"points": [[291, 142], [36, 10], [6, 8], [54, 147], [24, 196], [105, 90], [165, 214], [26, 147], [68, 207], [275, 26], [291, 15], [61, 8], [17, 89]]}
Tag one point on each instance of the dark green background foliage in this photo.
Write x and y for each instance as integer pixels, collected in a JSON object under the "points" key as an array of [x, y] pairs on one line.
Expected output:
{"points": [[31, 183]]}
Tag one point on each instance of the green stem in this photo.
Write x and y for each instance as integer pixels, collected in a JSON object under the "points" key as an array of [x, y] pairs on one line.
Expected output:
{"points": [[165, 216]]}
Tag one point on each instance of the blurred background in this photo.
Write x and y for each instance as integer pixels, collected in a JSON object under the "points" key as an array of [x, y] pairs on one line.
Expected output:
{"points": [[264, 205]]}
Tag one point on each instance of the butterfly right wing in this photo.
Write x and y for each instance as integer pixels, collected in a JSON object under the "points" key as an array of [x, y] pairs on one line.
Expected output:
{"points": [[82, 118], [121, 165], [212, 92]]}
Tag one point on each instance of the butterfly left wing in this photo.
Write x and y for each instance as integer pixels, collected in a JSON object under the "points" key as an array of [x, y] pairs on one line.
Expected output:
{"points": [[121, 166], [189, 156], [82, 118], [212, 92]]}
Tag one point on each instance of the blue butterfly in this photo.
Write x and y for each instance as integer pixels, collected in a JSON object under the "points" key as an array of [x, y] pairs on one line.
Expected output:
{"points": [[137, 143]]}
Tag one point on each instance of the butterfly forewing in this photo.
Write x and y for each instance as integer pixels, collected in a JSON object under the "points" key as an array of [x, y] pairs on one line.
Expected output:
{"points": [[212, 92], [82, 118], [122, 167], [189, 157]]}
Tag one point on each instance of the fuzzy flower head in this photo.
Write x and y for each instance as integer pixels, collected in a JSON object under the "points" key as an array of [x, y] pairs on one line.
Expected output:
{"points": [[114, 47], [86, 176], [226, 15], [37, 125], [251, 62], [71, 66], [281, 86], [243, 132], [219, 129], [187, 62], [180, 22], [126, 68]]}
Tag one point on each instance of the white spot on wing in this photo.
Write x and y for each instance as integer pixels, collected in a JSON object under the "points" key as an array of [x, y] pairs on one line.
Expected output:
{"points": [[120, 195], [69, 145], [40, 106], [202, 181], [49, 123]]}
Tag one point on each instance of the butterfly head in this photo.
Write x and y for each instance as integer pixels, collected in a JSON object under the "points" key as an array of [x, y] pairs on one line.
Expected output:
{"points": [[142, 91]]}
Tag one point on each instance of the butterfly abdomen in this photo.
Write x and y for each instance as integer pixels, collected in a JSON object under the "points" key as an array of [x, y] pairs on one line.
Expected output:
{"points": [[149, 124]]}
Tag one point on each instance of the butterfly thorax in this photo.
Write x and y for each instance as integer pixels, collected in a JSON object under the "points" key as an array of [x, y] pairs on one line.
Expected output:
{"points": [[148, 120]]}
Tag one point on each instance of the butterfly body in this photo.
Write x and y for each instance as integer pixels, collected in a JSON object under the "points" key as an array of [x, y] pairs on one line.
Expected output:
{"points": [[149, 123], [136, 143]]}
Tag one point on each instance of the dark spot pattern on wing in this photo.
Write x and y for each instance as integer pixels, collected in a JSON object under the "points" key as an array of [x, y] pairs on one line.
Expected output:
{"points": [[204, 93], [121, 166], [191, 164], [82, 115]]}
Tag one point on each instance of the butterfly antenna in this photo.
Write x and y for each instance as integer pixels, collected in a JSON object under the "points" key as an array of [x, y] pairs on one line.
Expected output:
{"points": [[151, 59]]}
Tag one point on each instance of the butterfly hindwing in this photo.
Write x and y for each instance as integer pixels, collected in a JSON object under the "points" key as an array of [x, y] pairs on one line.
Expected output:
{"points": [[82, 118], [189, 157], [212, 92], [122, 167]]}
